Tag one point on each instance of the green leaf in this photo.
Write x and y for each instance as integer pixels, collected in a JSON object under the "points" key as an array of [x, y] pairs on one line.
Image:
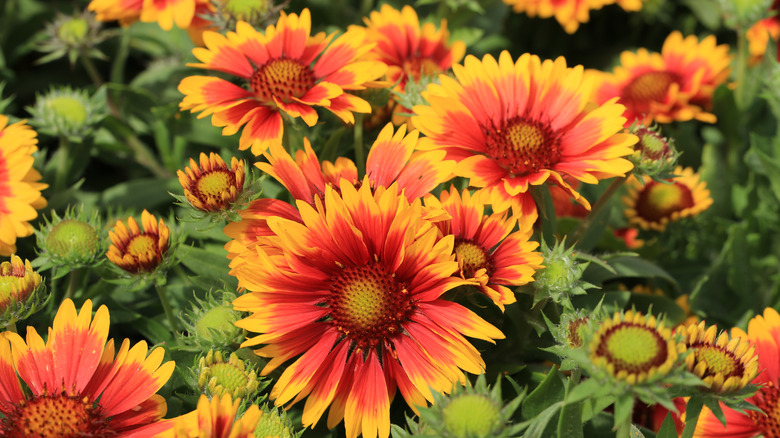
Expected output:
{"points": [[668, 429], [550, 390], [570, 421], [139, 194], [210, 262], [624, 406], [539, 423], [692, 411]]}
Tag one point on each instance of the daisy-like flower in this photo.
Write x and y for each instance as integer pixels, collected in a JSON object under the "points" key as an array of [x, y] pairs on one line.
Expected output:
{"points": [[569, 13], [284, 70], [216, 418], [392, 159], [21, 293], [353, 294], [20, 191], [764, 333], [724, 364], [486, 249], [634, 348], [410, 50], [511, 125], [759, 35], [166, 13], [73, 385], [138, 251], [213, 186], [124, 11], [674, 85], [652, 205]]}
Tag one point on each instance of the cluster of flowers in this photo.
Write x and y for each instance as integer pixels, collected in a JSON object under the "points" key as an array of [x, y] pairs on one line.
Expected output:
{"points": [[352, 282]]}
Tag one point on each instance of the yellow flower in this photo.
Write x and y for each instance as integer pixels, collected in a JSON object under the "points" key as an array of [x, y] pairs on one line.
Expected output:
{"points": [[212, 186], [138, 251]]}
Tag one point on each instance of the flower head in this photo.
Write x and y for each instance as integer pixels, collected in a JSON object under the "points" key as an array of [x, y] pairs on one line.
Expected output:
{"points": [[763, 333], [724, 364], [569, 13], [285, 71], [124, 11], [68, 112], [21, 291], [652, 205], [72, 35], [654, 155], [216, 418], [674, 85], [212, 186], [352, 293], [71, 242], [210, 323], [166, 13], [20, 191], [759, 35], [138, 251], [634, 348], [514, 124], [75, 378], [486, 248]]}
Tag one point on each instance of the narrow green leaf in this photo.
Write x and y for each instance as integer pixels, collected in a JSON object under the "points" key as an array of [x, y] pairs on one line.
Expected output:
{"points": [[667, 429]]}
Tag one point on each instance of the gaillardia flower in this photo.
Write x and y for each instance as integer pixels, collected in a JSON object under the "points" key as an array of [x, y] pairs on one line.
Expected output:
{"points": [[125, 11], [569, 13], [217, 377], [634, 348], [213, 186], [486, 248], [724, 364], [285, 71], [353, 293], [215, 418], [73, 385], [652, 205], [138, 251], [511, 125], [21, 293], [20, 191], [71, 241], [166, 13], [763, 333], [674, 85]]}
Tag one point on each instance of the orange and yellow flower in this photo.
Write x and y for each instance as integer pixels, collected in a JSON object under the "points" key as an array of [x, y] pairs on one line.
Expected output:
{"points": [[353, 294], [652, 205], [75, 386], [20, 191], [569, 13], [674, 85], [212, 186], [138, 251], [392, 159], [512, 125], [759, 35], [764, 333], [216, 419], [285, 71], [486, 249], [124, 11], [166, 13]]}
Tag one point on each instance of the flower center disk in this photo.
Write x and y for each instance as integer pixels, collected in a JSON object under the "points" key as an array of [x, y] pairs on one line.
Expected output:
{"points": [[658, 200], [213, 184], [368, 304], [648, 87], [633, 348], [523, 147], [471, 258], [283, 78], [60, 416], [719, 361], [768, 400]]}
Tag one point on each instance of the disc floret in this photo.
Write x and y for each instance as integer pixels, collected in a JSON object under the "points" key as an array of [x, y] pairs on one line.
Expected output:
{"points": [[70, 242], [22, 292], [217, 377]]}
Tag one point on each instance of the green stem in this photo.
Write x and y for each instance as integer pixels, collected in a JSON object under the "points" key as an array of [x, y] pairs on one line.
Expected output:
{"points": [[739, 94], [624, 429], [73, 280], [360, 159], [63, 165], [167, 308], [600, 204], [11, 327], [92, 71]]}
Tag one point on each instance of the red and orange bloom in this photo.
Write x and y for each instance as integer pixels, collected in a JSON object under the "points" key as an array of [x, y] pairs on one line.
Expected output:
{"points": [[674, 85], [410, 50], [764, 333], [353, 293], [124, 11], [652, 205], [569, 13], [213, 186], [138, 251], [285, 71], [20, 191], [511, 125], [486, 249], [216, 419], [75, 386], [759, 35], [166, 13]]}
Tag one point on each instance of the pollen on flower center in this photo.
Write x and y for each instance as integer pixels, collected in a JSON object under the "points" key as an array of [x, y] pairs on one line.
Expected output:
{"points": [[283, 79], [633, 348], [768, 419], [213, 184], [143, 246], [659, 200], [368, 304], [58, 416], [648, 87], [523, 146], [471, 258], [719, 360]]}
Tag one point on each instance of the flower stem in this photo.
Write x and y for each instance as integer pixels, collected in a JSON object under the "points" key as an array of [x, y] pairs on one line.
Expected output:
{"points": [[11, 327], [92, 71], [624, 429], [73, 280], [63, 164], [360, 159], [600, 204], [167, 308]]}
